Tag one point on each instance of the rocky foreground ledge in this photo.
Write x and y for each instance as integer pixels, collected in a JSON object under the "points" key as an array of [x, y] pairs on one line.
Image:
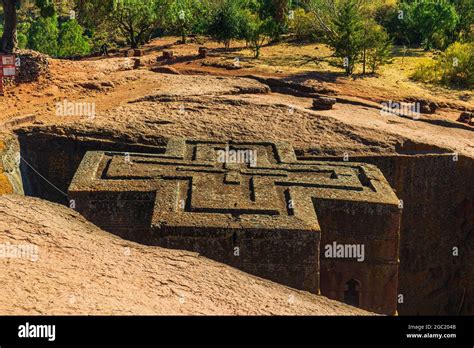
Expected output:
{"points": [[52, 261]]}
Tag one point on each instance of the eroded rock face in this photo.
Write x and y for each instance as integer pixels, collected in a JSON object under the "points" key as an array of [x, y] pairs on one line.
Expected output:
{"points": [[55, 262], [437, 231]]}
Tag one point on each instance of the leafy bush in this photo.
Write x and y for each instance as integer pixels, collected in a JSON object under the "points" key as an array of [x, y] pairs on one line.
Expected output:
{"points": [[226, 23], [46, 36], [22, 40], [183, 16], [43, 36], [47, 8], [454, 67], [303, 25], [377, 47], [72, 41], [430, 23], [255, 31]]}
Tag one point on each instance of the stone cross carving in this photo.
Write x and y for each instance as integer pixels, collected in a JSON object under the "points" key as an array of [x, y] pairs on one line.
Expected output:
{"points": [[257, 207]]}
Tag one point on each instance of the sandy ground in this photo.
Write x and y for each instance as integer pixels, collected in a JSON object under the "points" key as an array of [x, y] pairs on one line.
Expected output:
{"points": [[80, 269]]}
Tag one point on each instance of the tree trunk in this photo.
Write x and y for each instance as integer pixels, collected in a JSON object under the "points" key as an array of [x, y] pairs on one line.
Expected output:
{"points": [[364, 60], [133, 41], [257, 51], [9, 38]]}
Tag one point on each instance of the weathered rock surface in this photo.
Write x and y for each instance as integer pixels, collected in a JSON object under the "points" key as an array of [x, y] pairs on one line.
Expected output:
{"points": [[203, 51], [166, 70], [33, 65], [323, 103], [467, 117], [426, 106], [168, 55], [80, 269]]}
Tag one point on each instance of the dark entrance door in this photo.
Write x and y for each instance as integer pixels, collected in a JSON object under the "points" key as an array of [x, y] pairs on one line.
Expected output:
{"points": [[351, 295]]}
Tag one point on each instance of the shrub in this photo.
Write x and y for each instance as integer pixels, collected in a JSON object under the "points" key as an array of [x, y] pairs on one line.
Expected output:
{"points": [[430, 23], [303, 25], [255, 31], [454, 67], [72, 41], [43, 36], [22, 40], [225, 25], [377, 47]]}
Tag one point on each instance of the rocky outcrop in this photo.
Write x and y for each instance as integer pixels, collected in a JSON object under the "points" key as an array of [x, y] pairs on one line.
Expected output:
{"points": [[426, 106], [10, 175], [52, 261], [467, 117], [33, 66], [323, 103]]}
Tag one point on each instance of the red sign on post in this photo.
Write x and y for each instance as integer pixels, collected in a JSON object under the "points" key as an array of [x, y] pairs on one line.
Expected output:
{"points": [[7, 68]]}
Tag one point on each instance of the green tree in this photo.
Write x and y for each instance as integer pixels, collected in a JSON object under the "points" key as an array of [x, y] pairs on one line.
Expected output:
{"points": [[226, 23], [136, 19], [43, 35], [429, 23], [342, 25], [204, 12], [347, 38], [378, 48], [255, 31], [93, 13], [278, 11], [183, 15], [465, 11], [10, 39], [95, 17], [72, 41], [47, 8]]}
